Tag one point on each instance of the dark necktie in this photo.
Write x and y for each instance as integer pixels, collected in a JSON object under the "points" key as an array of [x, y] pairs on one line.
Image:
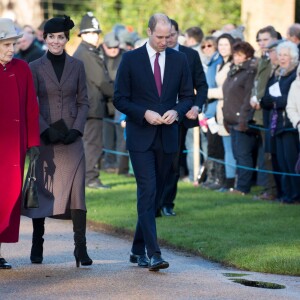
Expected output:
{"points": [[157, 75]]}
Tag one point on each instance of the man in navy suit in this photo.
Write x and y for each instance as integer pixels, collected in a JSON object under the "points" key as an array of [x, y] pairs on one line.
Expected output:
{"points": [[153, 107], [189, 121]]}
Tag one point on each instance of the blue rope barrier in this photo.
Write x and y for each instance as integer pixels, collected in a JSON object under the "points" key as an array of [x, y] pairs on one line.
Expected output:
{"points": [[243, 167], [249, 125], [111, 121], [115, 152], [268, 129], [213, 159]]}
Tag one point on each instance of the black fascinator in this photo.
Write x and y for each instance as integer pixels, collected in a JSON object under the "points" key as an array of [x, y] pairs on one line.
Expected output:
{"points": [[58, 25]]}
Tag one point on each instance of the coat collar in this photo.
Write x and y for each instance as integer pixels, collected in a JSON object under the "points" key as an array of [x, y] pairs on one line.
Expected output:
{"points": [[47, 66]]}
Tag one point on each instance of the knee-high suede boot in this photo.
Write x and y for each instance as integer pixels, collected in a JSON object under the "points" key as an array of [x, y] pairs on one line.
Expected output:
{"points": [[79, 228], [36, 255]]}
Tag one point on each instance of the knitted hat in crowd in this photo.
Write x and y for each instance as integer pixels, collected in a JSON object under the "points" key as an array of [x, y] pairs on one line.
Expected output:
{"points": [[129, 38], [8, 30], [111, 41], [238, 33], [58, 25], [89, 24]]}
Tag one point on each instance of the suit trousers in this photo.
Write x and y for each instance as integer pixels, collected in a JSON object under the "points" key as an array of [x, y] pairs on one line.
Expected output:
{"points": [[151, 169], [92, 139], [264, 162], [122, 160], [109, 142], [243, 146], [170, 187]]}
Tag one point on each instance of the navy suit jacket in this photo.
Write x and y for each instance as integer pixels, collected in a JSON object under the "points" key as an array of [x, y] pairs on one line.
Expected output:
{"points": [[136, 92], [199, 81]]}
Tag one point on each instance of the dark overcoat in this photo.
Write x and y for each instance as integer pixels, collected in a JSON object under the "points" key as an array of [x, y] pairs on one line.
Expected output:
{"points": [[60, 168], [136, 92], [98, 82]]}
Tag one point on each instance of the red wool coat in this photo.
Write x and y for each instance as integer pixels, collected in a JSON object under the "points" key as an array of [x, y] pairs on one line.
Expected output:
{"points": [[19, 130]]}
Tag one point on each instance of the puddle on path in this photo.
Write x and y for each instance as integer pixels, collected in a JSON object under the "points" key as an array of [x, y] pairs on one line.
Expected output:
{"points": [[259, 284], [253, 283]]}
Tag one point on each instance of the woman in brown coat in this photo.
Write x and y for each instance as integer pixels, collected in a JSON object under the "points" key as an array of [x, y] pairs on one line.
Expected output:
{"points": [[238, 113], [61, 89]]}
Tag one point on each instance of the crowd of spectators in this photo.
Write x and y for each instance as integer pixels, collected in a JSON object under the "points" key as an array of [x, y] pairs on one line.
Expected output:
{"points": [[249, 120], [256, 115]]}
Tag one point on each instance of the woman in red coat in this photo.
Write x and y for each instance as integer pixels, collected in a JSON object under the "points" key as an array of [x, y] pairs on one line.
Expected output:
{"points": [[19, 131]]}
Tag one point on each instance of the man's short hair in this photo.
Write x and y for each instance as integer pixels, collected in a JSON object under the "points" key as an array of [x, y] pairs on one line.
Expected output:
{"points": [[268, 29], [294, 30], [196, 33], [175, 24], [158, 18]]}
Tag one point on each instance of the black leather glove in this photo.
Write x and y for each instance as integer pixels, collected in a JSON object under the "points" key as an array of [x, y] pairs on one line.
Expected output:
{"points": [[72, 136], [34, 153], [52, 136]]}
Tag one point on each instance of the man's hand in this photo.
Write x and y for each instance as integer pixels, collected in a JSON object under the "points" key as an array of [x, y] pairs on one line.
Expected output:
{"points": [[170, 116], [192, 114], [123, 124], [153, 117], [254, 103]]}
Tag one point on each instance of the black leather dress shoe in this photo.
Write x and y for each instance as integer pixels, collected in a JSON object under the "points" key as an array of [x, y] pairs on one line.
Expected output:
{"points": [[156, 263], [141, 260], [168, 211], [4, 264]]}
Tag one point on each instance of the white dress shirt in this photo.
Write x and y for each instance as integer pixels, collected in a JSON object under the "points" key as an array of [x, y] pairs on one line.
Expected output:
{"points": [[176, 47], [161, 60]]}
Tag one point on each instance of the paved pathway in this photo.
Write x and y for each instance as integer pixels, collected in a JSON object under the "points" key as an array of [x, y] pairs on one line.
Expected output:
{"points": [[113, 277]]}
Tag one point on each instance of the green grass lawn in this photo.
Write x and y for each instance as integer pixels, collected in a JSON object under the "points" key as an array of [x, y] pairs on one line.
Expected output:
{"points": [[234, 230]]}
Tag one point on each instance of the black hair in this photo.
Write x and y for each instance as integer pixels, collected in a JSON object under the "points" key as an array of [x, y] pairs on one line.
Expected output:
{"points": [[67, 34], [175, 24]]}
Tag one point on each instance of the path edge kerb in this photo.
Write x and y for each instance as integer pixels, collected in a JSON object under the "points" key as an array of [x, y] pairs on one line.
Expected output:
{"points": [[127, 234]]}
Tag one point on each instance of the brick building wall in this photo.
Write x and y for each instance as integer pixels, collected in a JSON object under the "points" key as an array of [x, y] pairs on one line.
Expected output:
{"points": [[260, 13]]}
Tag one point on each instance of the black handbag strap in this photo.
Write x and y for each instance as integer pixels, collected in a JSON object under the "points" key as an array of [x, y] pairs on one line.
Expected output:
{"points": [[32, 170]]}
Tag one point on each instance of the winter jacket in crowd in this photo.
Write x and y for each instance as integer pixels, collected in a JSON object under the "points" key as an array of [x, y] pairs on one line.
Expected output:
{"points": [[237, 88]]}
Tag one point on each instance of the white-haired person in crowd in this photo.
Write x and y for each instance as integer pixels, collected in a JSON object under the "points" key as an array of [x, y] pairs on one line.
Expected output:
{"points": [[284, 141]]}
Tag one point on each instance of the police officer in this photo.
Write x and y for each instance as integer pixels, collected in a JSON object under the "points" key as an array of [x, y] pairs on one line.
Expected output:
{"points": [[99, 86]]}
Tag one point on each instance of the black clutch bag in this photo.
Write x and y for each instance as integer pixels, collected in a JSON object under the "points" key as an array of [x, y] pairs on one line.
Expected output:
{"points": [[29, 192], [60, 126]]}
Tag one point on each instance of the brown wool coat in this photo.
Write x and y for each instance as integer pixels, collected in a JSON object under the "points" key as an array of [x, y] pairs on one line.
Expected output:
{"points": [[61, 168]]}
